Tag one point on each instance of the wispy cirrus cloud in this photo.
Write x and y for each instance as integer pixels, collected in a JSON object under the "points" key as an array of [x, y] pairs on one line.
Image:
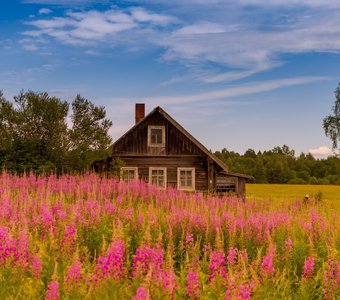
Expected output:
{"points": [[248, 50], [89, 27], [232, 91], [234, 48], [70, 3], [285, 3]]}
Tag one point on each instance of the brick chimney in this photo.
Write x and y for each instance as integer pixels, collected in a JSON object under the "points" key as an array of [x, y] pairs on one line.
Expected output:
{"points": [[140, 111]]}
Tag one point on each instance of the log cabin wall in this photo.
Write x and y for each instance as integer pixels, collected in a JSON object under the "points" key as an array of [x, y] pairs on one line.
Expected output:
{"points": [[171, 163], [241, 187], [177, 150], [176, 143]]}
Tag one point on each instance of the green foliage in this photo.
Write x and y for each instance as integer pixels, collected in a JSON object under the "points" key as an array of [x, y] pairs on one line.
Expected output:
{"points": [[89, 137], [331, 123], [280, 165], [34, 135]]}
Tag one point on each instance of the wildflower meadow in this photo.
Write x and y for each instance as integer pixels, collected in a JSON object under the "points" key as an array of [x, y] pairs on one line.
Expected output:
{"points": [[86, 237]]}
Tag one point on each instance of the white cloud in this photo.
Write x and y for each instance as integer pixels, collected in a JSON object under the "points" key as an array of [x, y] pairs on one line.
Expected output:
{"points": [[44, 11], [88, 27], [142, 15], [63, 2], [30, 47], [233, 91], [249, 50], [321, 152], [266, 3], [203, 28], [318, 3], [236, 42]]}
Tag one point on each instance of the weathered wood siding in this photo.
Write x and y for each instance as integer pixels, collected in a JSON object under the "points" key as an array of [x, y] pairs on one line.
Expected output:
{"points": [[171, 163], [241, 187], [176, 143], [179, 151]]}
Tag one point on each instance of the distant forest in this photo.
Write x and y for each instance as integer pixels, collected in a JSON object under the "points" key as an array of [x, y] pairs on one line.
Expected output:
{"points": [[280, 165], [35, 135]]}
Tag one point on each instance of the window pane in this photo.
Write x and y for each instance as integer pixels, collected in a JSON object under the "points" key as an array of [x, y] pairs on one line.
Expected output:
{"points": [[158, 177], [128, 174], [153, 139], [186, 179], [156, 136]]}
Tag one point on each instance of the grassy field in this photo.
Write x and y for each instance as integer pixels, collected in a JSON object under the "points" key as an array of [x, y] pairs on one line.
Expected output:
{"points": [[292, 191], [85, 237]]}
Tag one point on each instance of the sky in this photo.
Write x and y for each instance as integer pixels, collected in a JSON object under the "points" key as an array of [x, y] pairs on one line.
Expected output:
{"points": [[237, 74]]}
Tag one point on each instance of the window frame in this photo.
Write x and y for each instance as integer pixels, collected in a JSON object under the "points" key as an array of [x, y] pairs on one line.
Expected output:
{"points": [[193, 179], [150, 127], [165, 176], [135, 169]]}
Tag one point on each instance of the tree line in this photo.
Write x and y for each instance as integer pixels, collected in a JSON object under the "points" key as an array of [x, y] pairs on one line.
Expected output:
{"points": [[40, 133], [44, 134], [280, 165]]}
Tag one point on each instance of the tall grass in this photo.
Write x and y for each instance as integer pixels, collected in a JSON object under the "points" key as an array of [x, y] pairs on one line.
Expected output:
{"points": [[83, 237]]}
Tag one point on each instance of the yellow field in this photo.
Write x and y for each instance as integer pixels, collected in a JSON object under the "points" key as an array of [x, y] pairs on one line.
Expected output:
{"points": [[292, 191]]}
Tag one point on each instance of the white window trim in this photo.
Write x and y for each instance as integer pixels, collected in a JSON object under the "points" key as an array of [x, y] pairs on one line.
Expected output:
{"points": [[150, 127], [129, 169], [179, 187], [165, 175]]}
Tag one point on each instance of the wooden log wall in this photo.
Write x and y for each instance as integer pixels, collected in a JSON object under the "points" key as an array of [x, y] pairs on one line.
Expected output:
{"points": [[176, 143], [171, 163]]}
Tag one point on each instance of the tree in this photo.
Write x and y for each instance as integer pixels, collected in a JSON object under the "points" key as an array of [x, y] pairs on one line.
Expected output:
{"points": [[33, 132], [331, 123], [250, 153], [89, 134], [6, 123]]}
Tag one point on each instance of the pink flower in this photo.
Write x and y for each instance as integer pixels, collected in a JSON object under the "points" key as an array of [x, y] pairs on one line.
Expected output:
{"points": [[142, 294], [232, 255], [67, 244], [165, 279], [52, 291], [36, 267], [146, 257], [193, 286], [331, 279], [217, 264], [308, 268], [244, 290], [74, 273], [289, 245], [267, 264], [111, 266], [189, 239]]}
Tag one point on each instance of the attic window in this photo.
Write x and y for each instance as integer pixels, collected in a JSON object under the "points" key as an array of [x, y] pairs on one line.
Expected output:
{"points": [[156, 136]]}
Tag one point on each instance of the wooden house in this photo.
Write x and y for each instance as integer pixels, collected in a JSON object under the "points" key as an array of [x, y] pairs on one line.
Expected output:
{"points": [[160, 151]]}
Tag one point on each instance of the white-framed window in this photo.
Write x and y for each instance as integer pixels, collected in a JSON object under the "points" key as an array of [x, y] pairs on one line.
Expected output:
{"points": [[156, 136], [186, 179], [157, 176], [129, 173]]}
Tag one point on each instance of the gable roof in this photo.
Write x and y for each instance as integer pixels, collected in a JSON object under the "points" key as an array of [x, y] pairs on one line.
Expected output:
{"points": [[158, 109]]}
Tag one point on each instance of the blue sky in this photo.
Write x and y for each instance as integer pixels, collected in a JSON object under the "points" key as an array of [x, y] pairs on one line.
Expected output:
{"points": [[236, 74]]}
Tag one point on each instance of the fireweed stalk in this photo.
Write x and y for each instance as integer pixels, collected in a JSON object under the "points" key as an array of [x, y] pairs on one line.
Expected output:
{"points": [[86, 236]]}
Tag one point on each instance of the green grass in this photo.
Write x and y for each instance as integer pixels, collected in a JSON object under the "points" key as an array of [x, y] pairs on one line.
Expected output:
{"points": [[292, 191]]}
